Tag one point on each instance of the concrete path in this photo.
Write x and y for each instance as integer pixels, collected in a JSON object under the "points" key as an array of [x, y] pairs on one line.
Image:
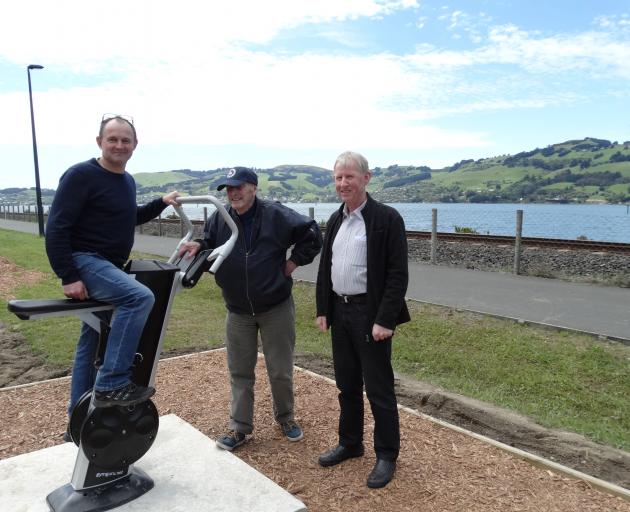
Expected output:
{"points": [[600, 310]]}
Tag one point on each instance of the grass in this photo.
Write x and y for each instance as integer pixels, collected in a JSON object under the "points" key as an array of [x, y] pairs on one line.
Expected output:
{"points": [[559, 379], [158, 179], [197, 319]]}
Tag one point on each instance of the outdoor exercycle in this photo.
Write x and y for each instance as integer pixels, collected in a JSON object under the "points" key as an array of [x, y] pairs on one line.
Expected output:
{"points": [[112, 439]]}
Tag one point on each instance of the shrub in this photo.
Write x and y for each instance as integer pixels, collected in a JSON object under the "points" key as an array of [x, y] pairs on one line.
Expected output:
{"points": [[465, 229]]}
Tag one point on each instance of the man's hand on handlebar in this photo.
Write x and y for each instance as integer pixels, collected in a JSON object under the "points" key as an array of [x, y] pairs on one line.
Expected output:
{"points": [[189, 249], [171, 198], [76, 290]]}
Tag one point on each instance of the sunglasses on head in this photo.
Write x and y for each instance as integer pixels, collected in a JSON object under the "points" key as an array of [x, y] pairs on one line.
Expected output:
{"points": [[109, 117]]}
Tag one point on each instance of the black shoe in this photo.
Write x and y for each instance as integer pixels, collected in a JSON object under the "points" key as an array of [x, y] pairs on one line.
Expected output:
{"points": [[67, 438], [339, 454], [125, 396], [382, 473]]}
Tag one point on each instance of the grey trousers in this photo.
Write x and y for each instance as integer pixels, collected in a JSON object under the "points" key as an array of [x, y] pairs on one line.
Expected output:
{"points": [[277, 333]]}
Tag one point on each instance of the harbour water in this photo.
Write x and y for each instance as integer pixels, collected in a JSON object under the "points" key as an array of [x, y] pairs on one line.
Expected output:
{"points": [[601, 222]]}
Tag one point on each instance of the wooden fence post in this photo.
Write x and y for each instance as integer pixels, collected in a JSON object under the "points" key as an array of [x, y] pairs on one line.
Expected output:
{"points": [[517, 242], [434, 240]]}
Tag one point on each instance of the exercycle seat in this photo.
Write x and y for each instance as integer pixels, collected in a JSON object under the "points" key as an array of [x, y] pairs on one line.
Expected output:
{"points": [[24, 309]]}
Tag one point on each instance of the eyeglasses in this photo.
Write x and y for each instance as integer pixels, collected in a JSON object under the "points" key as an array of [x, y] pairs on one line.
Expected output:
{"points": [[109, 116], [119, 117]]}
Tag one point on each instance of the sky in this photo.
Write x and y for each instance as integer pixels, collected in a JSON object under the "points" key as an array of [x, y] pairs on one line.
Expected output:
{"points": [[216, 83]]}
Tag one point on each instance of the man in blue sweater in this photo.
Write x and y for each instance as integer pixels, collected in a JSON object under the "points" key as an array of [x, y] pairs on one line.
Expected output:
{"points": [[89, 236]]}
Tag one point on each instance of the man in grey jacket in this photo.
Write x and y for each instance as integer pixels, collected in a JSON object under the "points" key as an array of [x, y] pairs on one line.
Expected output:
{"points": [[256, 283]]}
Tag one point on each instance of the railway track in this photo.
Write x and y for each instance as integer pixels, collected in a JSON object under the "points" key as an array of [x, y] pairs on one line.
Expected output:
{"points": [[550, 243], [553, 243]]}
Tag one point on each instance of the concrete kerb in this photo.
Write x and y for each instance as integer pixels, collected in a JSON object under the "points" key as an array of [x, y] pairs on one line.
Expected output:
{"points": [[36, 383], [536, 460]]}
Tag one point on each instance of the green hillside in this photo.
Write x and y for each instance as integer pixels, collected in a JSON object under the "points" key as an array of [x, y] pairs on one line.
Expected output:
{"points": [[593, 170], [288, 183], [161, 179], [588, 170]]}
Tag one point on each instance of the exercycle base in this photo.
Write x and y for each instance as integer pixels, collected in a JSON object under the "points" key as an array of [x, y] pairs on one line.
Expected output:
{"points": [[66, 499], [189, 471]]}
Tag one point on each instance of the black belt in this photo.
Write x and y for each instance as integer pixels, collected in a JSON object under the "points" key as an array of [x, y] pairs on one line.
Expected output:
{"points": [[361, 298]]}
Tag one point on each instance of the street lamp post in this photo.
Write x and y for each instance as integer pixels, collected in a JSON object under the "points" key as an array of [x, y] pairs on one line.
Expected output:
{"points": [[38, 190]]}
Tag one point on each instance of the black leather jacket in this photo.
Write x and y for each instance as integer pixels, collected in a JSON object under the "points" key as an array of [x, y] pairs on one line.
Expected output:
{"points": [[387, 269], [253, 281]]}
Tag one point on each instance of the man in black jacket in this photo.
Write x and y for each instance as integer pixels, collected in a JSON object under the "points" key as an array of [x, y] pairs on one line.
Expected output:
{"points": [[361, 287], [256, 283]]}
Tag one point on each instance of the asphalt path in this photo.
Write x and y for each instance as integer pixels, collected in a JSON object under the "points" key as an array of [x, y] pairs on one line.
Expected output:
{"points": [[600, 310]]}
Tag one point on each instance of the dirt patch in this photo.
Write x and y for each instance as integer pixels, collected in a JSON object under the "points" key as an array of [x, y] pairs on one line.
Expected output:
{"points": [[438, 469], [18, 365]]}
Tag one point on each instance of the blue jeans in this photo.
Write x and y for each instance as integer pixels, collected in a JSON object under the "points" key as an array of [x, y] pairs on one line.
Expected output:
{"points": [[132, 302]]}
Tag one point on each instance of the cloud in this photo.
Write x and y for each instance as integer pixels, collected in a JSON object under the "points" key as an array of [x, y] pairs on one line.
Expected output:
{"points": [[509, 45], [512, 69], [194, 73], [461, 24], [421, 21], [191, 73], [96, 38], [591, 51], [305, 101], [613, 22]]}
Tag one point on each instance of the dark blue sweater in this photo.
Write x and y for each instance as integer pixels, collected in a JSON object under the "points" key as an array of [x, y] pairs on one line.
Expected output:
{"points": [[94, 210]]}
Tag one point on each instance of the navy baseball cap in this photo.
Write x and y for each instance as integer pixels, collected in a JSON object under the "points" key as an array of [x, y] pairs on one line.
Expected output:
{"points": [[236, 176]]}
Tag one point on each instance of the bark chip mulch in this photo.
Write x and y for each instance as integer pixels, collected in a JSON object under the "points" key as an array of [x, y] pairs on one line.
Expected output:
{"points": [[438, 469]]}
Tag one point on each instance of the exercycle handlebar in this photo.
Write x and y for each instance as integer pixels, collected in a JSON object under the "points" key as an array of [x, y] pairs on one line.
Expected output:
{"points": [[219, 253]]}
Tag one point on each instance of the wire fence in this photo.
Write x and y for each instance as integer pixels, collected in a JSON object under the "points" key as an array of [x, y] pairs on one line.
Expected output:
{"points": [[438, 245], [597, 222]]}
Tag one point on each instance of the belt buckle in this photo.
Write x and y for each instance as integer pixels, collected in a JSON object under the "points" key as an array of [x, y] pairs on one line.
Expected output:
{"points": [[346, 299]]}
